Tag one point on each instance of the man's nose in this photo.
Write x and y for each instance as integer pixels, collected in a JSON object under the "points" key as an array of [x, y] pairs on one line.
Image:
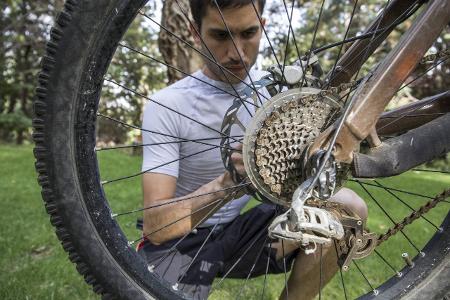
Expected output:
{"points": [[236, 51]]}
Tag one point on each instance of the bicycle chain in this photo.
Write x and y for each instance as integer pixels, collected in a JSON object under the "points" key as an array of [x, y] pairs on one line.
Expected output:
{"points": [[413, 216], [416, 214], [435, 56]]}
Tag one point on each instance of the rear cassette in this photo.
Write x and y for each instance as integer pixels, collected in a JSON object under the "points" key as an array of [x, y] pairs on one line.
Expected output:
{"points": [[278, 136]]}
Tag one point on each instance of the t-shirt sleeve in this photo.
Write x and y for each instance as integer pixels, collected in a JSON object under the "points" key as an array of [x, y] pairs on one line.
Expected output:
{"points": [[160, 133]]}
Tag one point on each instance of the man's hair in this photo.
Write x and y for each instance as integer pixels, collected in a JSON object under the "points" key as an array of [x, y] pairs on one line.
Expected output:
{"points": [[198, 7]]}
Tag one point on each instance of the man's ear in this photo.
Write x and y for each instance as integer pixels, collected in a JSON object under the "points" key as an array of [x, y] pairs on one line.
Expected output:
{"points": [[263, 22], [195, 31]]}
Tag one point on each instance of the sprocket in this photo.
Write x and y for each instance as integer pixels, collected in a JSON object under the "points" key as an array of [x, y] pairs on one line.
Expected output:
{"points": [[278, 136]]}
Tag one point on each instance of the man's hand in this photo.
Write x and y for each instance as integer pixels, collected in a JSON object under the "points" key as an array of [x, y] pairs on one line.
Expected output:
{"points": [[238, 162]]}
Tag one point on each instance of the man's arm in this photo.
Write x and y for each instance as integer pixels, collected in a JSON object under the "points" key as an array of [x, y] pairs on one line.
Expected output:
{"points": [[160, 189]]}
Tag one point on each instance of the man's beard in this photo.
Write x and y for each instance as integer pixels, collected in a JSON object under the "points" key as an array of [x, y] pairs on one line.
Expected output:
{"points": [[225, 71]]}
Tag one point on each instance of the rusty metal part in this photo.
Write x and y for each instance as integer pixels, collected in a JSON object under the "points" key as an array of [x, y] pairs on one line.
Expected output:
{"points": [[413, 216], [357, 242], [278, 135], [413, 115], [372, 96]]}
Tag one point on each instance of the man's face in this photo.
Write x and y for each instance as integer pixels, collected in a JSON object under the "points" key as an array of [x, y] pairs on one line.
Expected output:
{"points": [[246, 31]]}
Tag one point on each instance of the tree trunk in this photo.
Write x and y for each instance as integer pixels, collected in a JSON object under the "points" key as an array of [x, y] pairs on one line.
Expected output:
{"points": [[175, 52]]}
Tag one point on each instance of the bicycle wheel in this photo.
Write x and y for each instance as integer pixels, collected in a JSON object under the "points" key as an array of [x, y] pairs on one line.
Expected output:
{"points": [[93, 220]]}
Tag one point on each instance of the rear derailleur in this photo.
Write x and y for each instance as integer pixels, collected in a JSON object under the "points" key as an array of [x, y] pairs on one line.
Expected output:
{"points": [[313, 220]]}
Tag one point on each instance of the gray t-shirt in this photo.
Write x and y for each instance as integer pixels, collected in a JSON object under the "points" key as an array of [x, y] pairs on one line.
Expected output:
{"points": [[194, 164]]}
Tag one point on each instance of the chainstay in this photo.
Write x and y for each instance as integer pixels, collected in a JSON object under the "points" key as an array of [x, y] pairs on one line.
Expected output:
{"points": [[413, 216]]}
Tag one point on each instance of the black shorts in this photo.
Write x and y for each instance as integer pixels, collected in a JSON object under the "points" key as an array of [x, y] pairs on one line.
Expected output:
{"points": [[232, 249]]}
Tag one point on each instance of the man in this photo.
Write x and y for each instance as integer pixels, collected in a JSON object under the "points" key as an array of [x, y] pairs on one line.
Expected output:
{"points": [[194, 230]]}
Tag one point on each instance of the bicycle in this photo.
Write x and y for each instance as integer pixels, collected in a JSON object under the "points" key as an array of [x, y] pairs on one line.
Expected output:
{"points": [[66, 112]]}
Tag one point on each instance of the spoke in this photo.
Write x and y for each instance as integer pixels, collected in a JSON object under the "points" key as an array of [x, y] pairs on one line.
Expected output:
{"points": [[198, 252], [396, 119], [340, 272], [161, 143], [389, 216], [265, 33], [238, 52], [286, 49], [195, 226], [285, 271], [243, 254], [161, 165], [387, 263], [186, 74], [366, 49], [252, 268], [406, 14], [178, 220], [320, 273], [364, 276], [411, 242], [166, 107], [342, 46], [165, 134], [221, 67], [406, 204], [358, 37], [265, 275], [292, 30], [391, 189], [423, 73], [173, 248], [415, 115], [212, 60], [241, 185], [316, 27], [343, 284], [366, 55]]}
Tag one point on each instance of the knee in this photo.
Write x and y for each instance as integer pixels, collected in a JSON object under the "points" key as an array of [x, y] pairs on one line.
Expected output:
{"points": [[352, 201]]}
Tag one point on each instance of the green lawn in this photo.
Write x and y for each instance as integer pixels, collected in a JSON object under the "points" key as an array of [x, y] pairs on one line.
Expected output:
{"points": [[34, 266]]}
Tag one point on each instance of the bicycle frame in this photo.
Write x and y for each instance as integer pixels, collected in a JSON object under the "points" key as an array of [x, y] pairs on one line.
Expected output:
{"points": [[413, 115], [371, 98]]}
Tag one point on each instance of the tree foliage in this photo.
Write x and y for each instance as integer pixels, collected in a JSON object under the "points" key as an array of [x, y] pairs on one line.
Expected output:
{"points": [[25, 25], [139, 74]]}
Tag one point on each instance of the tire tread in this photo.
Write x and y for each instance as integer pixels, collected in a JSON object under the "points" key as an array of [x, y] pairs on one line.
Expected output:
{"points": [[41, 151]]}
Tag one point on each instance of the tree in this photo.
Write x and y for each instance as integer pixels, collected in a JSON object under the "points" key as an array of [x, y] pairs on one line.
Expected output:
{"points": [[129, 68], [23, 32], [176, 53]]}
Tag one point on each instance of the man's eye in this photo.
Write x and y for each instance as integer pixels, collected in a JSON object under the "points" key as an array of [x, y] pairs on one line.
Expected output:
{"points": [[249, 34], [221, 35]]}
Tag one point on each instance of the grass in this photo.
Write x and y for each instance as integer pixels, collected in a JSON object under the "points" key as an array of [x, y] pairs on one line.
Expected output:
{"points": [[34, 266]]}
